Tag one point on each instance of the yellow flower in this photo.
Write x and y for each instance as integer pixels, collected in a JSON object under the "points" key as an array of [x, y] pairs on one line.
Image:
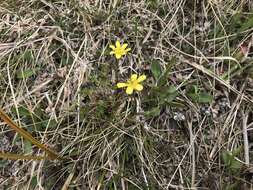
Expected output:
{"points": [[132, 84], [119, 50]]}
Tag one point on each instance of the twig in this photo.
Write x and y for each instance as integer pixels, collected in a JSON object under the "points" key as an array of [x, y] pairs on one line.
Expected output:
{"points": [[68, 181], [192, 154], [245, 136]]}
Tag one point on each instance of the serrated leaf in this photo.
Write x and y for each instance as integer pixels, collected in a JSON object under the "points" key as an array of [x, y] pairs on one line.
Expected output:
{"points": [[156, 70], [237, 151], [235, 166], [232, 164], [226, 157]]}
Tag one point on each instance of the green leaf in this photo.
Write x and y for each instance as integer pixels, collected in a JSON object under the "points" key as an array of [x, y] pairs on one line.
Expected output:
{"points": [[171, 89], [246, 25], [237, 151], [34, 182], [152, 112], [27, 147], [231, 164], [164, 76], [193, 96], [204, 98], [172, 93], [28, 56], [156, 69], [235, 166], [152, 4], [165, 93], [21, 110], [233, 186], [226, 157], [193, 89], [3, 163], [197, 96], [25, 73]]}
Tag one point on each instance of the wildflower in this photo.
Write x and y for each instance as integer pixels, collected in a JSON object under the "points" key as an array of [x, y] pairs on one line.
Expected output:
{"points": [[119, 50], [132, 84]]}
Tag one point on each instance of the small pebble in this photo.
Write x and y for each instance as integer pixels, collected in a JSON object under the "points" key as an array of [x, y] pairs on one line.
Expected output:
{"points": [[178, 116]]}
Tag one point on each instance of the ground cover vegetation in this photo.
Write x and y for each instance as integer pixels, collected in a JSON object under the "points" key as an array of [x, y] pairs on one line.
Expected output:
{"points": [[127, 94]]}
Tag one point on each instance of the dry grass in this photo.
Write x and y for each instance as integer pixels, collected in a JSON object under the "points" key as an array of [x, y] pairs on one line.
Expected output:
{"points": [[190, 128]]}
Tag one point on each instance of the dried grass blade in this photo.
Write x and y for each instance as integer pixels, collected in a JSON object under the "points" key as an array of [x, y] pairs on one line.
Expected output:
{"points": [[11, 156], [27, 135]]}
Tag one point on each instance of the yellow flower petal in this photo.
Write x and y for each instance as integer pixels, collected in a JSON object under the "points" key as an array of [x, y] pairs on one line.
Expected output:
{"points": [[118, 56], [112, 52], [133, 77], [112, 47], [124, 46], [128, 49], [118, 44], [121, 85], [138, 87], [141, 78], [129, 90]]}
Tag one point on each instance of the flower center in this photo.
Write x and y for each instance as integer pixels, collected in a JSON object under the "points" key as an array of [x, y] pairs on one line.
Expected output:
{"points": [[119, 51], [133, 84]]}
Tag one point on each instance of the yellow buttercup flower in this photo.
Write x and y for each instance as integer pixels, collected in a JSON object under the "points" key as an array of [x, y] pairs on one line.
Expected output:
{"points": [[119, 50], [132, 84]]}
